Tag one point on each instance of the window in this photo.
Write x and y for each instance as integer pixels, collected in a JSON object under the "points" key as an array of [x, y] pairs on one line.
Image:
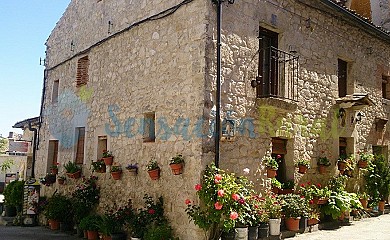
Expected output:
{"points": [[149, 134], [54, 96], [52, 154], [268, 40], [82, 71], [342, 77], [385, 87], [80, 145], [279, 150], [102, 145]]}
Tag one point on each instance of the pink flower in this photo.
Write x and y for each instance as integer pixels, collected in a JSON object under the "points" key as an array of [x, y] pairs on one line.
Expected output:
{"points": [[235, 196], [217, 178], [278, 156], [311, 201], [241, 201], [187, 201], [233, 215], [198, 187], [218, 206], [221, 192], [151, 211]]}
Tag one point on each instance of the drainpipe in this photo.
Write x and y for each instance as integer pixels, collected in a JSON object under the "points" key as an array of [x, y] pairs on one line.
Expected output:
{"points": [[34, 145]]}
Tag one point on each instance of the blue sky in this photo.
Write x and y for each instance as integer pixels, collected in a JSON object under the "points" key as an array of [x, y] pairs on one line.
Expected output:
{"points": [[25, 26]]}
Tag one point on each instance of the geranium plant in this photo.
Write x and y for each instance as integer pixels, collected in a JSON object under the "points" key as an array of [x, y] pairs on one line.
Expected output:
{"points": [[271, 162], [98, 165], [303, 162], [152, 165], [224, 201], [294, 206], [177, 159], [107, 154]]}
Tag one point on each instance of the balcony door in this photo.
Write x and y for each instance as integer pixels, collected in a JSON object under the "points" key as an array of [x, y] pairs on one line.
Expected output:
{"points": [[268, 63]]}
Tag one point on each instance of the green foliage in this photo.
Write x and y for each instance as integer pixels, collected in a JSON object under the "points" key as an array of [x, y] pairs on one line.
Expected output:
{"points": [[85, 197], [3, 145], [6, 165], [275, 183], [71, 167], [98, 165], [338, 183], [310, 191], [303, 162], [107, 154], [152, 165], [293, 205], [323, 161], [158, 232], [338, 203], [90, 222], [59, 208], [116, 168], [288, 185], [13, 193], [377, 179], [366, 157], [270, 162], [177, 159]]}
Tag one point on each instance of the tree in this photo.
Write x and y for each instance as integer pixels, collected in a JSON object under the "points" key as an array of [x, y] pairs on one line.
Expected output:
{"points": [[6, 165], [3, 145]]}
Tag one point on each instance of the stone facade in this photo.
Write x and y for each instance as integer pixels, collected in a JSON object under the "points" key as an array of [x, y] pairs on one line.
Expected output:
{"points": [[144, 60]]}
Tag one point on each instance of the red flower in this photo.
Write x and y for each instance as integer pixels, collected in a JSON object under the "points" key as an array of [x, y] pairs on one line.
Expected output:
{"points": [[311, 201], [217, 178], [302, 185], [235, 196], [221, 193], [302, 196], [318, 185], [151, 211], [308, 183], [187, 201], [233, 215], [198, 187], [218, 206], [241, 201]]}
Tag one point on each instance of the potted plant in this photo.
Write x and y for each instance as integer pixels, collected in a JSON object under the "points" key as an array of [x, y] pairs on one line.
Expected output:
{"points": [[287, 187], [13, 197], [176, 164], [54, 168], [342, 162], [153, 169], [364, 159], [116, 172], [99, 166], [49, 179], [271, 165], [90, 223], [313, 217], [57, 210], [363, 198], [303, 165], [274, 209], [294, 207], [323, 163], [72, 170], [132, 168], [276, 186], [108, 157], [61, 179]]}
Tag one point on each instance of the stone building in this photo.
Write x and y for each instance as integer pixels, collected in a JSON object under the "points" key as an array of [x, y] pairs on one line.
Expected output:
{"points": [[300, 79]]}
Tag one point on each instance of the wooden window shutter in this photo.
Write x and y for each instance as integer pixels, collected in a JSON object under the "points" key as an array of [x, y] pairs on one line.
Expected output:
{"points": [[342, 77], [82, 71], [279, 146], [80, 146]]}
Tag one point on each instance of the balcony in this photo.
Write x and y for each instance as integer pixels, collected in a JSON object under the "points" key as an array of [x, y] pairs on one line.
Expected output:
{"points": [[278, 72]]}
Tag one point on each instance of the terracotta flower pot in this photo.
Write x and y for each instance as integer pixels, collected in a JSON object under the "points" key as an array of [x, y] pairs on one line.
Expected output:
{"points": [[116, 175], [362, 164], [74, 175], [302, 169], [154, 174], [108, 160], [54, 224], [322, 169], [177, 168], [133, 171], [54, 171], [61, 181], [101, 170], [271, 173], [292, 224], [92, 235], [312, 221], [341, 166], [106, 237], [381, 206], [364, 202]]}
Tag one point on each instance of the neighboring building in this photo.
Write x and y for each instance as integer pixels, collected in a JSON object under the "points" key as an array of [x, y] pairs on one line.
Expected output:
{"points": [[300, 79]]}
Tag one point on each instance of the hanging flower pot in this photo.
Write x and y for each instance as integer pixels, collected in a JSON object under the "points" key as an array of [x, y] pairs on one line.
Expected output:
{"points": [[292, 224], [154, 174], [74, 175], [108, 160], [177, 168], [116, 175], [341, 165], [322, 169], [302, 169], [271, 173], [61, 180], [54, 171], [362, 164]]}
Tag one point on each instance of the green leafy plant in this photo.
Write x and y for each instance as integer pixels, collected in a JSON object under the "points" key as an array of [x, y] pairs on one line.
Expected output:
{"points": [[107, 154], [311, 191], [152, 165], [337, 183], [270, 162], [288, 185], [13, 194], [323, 161], [377, 179], [338, 203], [6, 165], [98, 165], [116, 168], [90, 222], [276, 183], [59, 208], [85, 197], [366, 157], [177, 159], [71, 167], [158, 232], [303, 162], [272, 205], [55, 166], [293, 205]]}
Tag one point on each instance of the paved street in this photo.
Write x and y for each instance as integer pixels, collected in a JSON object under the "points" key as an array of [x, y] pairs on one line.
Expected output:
{"points": [[366, 229], [32, 233]]}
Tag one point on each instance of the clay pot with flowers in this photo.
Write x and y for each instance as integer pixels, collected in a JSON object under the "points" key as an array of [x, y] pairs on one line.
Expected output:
{"points": [[323, 163], [72, 170], [153, 169], [54, 168], [108, 157], [271, 165], [116, 172], [177, 164], [99, 166], [132, 169], [303, 165], [294, 207]]}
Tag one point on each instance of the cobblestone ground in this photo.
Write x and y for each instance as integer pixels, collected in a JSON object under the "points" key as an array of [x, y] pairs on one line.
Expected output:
{"points": [[366, 229], [32, 233]]}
